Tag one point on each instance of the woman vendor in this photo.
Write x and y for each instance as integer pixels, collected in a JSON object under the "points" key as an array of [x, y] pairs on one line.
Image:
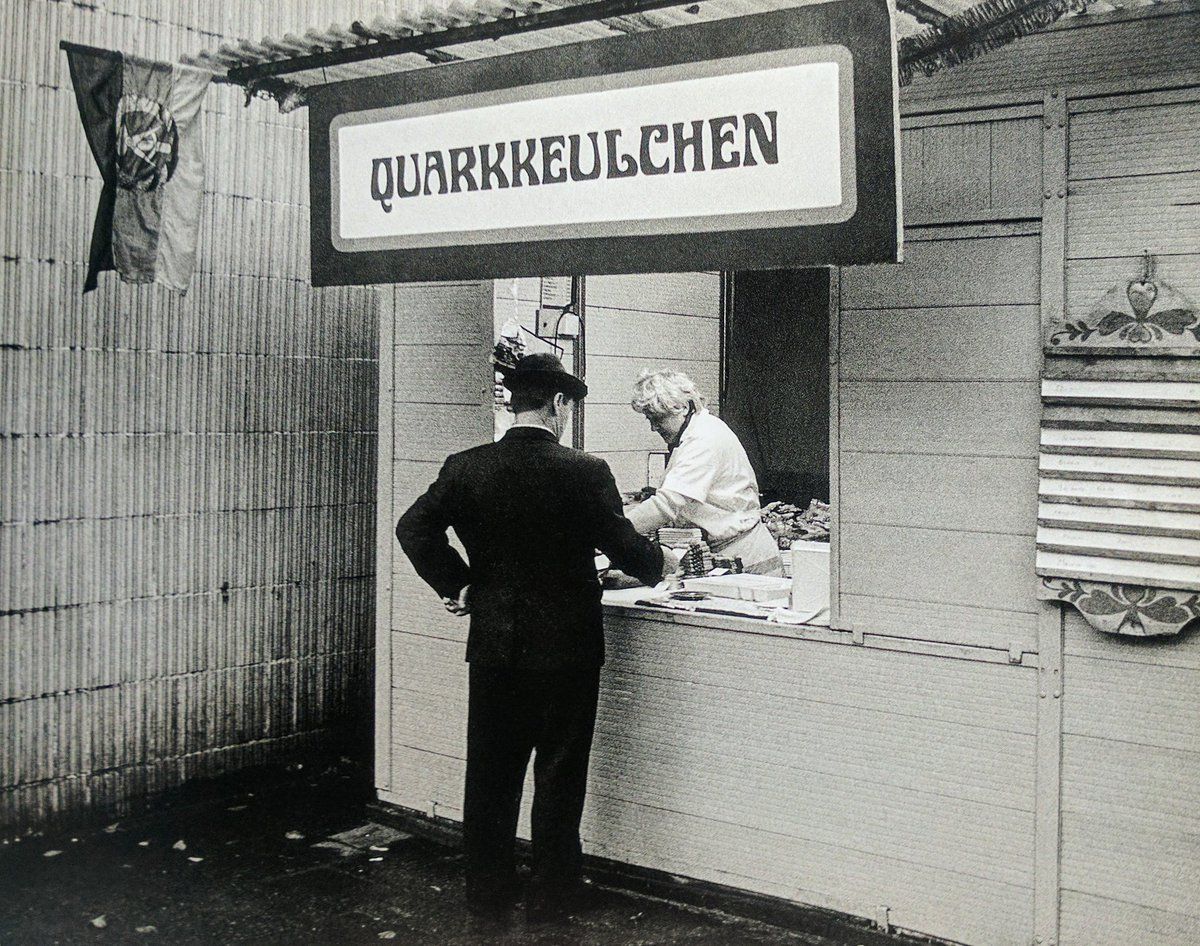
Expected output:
{"points": [[708, 483]]}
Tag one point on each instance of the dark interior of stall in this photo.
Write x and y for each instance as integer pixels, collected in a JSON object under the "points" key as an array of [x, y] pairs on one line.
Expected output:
{"points": [[775, 378]]}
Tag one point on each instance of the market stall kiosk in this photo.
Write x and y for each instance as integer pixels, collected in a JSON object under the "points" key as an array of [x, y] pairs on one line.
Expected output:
{"points": [[956, 754]]}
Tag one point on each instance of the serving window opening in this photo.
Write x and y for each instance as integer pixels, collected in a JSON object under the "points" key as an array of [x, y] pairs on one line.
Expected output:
{"points": [[775, 395], [775, 379]]}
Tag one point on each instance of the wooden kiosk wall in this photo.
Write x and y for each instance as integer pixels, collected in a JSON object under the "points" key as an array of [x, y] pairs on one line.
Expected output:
{"points": [[952, 757]]}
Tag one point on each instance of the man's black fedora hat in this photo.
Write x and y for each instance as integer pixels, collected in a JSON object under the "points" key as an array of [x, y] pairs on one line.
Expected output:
{"points": [[542, 368]]}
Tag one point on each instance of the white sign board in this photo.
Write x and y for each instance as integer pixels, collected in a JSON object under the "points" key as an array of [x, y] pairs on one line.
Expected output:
{"points": [[751, 142]]}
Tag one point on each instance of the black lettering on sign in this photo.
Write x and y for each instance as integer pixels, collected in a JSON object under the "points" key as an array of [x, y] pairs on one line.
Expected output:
{"points": [[382, 191], [721, 130], [435, 165], [695, 141], [552, 151], [489, 169], [678, 148], [768, 146], [402, 189], [656, 134], [619, 165], [524, 165], [576, 169], [462, 168]]}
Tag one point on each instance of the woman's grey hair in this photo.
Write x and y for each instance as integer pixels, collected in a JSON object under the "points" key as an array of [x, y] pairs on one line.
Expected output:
{"points": [[663, 392]]}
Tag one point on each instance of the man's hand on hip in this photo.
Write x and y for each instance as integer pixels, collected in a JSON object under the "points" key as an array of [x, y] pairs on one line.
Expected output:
{"points": [[459, 606]]}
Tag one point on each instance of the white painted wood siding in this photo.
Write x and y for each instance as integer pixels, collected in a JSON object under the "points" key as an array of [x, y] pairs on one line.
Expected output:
{"points": [[938, 430], [1131, 741], [667, 320], [1131, 789], [440, 334], [860, 776]]}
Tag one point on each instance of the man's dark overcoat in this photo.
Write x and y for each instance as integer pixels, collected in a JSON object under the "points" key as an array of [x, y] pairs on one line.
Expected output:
{"points": [[530, 512]]}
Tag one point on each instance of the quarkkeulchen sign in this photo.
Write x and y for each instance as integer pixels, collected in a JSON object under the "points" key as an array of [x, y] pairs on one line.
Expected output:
{"points": [[757, 142]]}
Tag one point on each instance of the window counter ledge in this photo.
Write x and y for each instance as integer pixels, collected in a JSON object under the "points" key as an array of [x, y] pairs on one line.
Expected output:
{"points": [[624, 603], [621, 606]]}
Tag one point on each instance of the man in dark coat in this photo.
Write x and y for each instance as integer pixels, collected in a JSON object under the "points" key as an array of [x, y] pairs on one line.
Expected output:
{"points": [[530, 513]]}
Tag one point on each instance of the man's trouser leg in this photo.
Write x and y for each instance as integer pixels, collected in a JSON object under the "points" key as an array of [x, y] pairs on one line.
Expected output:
{"points": [[499, 740], [564, 741]]}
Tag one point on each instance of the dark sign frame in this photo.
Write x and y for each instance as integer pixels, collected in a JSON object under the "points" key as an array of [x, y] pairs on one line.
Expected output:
{"points": [[871, 235]]}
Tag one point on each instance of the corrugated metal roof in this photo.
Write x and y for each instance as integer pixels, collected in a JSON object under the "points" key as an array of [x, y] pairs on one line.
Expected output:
{"points": [[408, 17], [395, 19]]}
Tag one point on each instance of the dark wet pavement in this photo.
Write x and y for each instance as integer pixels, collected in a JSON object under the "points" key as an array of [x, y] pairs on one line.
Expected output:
{"points": [[298, 862]]}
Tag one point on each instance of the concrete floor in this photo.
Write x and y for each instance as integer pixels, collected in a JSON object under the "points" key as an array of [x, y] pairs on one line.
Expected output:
{"points": [[296, 862]]}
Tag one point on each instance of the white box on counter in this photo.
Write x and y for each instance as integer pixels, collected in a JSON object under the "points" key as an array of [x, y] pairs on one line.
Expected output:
{"points": [[810, 576], [742, 587]]}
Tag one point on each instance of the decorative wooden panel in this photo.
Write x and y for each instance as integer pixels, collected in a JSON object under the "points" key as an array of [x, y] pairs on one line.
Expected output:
{"points": [[1109, 480], [1120, 442], [1119, 511], [1089, 279]]}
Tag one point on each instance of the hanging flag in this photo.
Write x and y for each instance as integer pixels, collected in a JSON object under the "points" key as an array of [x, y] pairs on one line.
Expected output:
{"points": [[143, 123]]}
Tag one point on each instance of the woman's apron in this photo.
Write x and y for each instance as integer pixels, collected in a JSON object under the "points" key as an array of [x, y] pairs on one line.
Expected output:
{"points": [[757, 550]]}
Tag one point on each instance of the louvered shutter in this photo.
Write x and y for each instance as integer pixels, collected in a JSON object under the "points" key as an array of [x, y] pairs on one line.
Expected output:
{"points": [[1119, 492]]}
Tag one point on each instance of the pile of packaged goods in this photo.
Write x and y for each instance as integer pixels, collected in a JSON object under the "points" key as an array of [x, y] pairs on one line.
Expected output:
{"points": [[697, 561], [679, 538], [510, 347], [788, 523]]}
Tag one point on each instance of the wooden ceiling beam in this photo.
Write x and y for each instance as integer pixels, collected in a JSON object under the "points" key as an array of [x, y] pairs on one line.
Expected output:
{"points": [[422, 43], [923, 12]]}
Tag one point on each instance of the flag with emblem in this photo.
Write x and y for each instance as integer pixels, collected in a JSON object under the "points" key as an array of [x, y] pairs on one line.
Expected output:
{"points": [[143, 123]]}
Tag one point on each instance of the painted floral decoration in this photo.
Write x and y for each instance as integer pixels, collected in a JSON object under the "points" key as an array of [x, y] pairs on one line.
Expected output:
{"points": [[1127, 609], [1142, 314]]}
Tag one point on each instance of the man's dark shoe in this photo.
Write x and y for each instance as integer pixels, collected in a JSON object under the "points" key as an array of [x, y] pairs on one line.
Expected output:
{"points": [[562, 902], [585, 896], [542, 911], [490, 917]]}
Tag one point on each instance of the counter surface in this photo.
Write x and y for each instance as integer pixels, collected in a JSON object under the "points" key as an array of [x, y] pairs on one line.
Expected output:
{"points": [[715, 612]]}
